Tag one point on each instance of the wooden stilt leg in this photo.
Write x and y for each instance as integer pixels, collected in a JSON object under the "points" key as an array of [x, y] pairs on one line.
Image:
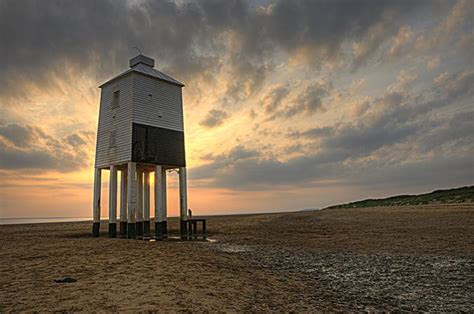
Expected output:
{"points": [[164, 204], [146, 205], [139, 217], [96, 205], [131, 199], [123, 204], [158, 203], [183, 198], [113, 202]]}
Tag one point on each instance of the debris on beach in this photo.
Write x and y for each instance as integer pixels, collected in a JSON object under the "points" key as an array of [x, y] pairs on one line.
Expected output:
{"points": [[65, 280]]}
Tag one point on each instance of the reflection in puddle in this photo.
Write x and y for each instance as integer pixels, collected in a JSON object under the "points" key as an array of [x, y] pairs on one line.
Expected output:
{"points": [[228, 248]]}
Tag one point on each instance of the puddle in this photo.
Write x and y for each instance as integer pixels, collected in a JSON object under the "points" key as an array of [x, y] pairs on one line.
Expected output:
{"points": [[178, 238], [228, 248]]}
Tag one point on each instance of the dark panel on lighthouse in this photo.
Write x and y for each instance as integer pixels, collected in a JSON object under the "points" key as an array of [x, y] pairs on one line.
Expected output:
{"points": [[157, 145]]}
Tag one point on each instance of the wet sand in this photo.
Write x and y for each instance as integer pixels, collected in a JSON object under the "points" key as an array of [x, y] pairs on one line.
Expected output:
{"points": [[395, 258]]}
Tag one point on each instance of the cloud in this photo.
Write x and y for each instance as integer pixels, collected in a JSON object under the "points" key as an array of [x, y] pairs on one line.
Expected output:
{"points": [[313, 133], [27, 147], [466, 43], [400, 135], [14, 158], [214, 118], [352, 155], [75, 140], [310, 100], [368, 45], [288, 101], [433, 63], [98, 36], [274, 98], [17, 135], [404, 79], [456, 85], [460, 12], [457, 133], [401, 41]]}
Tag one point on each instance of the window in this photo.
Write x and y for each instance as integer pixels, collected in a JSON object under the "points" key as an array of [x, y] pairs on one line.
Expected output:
{"points": [[113, 138], [116, 99]]}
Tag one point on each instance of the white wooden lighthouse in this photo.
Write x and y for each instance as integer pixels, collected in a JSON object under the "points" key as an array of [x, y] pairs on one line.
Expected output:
{"points": [[140, 133]]}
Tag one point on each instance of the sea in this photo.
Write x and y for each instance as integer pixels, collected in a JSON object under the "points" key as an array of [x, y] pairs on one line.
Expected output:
{"points": [[20, 221]]}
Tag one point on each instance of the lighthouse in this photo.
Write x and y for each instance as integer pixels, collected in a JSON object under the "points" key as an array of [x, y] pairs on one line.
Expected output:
{"points": [[140, 134]]}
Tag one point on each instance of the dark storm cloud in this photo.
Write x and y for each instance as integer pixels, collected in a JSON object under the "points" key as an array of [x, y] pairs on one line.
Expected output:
{"points": [[214, 118], [27, 147], [38, 36]]}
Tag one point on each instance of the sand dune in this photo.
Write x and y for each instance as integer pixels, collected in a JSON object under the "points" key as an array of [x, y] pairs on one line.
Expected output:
{"points": [[408, 258]]}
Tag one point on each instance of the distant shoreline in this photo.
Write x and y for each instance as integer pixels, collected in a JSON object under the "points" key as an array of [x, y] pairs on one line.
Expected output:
{"points": [[26, 221], [43, 220], [37, 220]]}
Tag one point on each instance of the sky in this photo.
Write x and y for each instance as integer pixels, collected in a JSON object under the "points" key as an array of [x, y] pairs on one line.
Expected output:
{"points": [[288, 104]]}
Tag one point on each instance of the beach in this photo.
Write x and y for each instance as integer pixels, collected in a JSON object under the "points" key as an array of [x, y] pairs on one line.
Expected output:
{"points": [[412, 258]]}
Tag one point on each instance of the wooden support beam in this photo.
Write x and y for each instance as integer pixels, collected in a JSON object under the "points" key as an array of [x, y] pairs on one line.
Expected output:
{"points": [[96, 204], [183, 202], [123, 203], [113, 202], [131, 199]]}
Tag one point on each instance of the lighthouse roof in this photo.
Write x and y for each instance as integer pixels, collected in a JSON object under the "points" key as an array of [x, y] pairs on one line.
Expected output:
{"points": [[145, 65]]}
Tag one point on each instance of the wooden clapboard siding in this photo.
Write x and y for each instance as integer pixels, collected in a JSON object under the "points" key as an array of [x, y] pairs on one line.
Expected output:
{"points": [[121, 123], [165, 101]]}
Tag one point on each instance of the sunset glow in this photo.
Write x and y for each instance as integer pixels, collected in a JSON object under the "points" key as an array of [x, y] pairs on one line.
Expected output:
{"points": [[278, 116]]}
